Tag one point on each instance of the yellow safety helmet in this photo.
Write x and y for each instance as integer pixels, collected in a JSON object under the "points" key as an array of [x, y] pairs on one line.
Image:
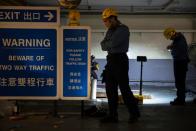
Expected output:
{"points": [[169, 32], [108, 12]]}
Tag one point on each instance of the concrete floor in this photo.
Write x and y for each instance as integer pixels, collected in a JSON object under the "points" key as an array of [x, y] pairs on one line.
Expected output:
{"points": [[154, 117], [156, 114]]}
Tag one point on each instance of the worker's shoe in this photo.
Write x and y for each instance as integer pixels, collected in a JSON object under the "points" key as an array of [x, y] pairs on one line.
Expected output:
{"points": [[194, 100], [133, 118], [109, 119], [177, 102], [135, 111], [138, 113], [134, 115]]}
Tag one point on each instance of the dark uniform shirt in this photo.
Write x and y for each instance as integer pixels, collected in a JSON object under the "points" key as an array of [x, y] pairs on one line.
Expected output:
{"points": [[116, 40], [180, 48]]}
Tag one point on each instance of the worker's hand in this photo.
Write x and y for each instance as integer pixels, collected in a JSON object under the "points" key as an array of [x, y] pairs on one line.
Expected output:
{"points": [[169, 47]]}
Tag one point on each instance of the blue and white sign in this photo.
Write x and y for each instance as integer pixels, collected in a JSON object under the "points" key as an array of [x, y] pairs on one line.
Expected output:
{"points": [[29, 14], [76, 62], [28, 67]]}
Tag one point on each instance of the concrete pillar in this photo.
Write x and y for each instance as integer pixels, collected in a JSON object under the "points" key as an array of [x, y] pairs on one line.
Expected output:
{"points": [[93, 89]]}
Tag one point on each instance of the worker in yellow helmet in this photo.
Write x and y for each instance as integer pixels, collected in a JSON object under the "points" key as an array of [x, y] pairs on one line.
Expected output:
{"points": [[116, 43], [179, 51], [109, 17]]}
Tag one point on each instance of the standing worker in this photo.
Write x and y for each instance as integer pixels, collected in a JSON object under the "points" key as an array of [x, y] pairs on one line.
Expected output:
{"points": [[179, 52], [116, 43]]}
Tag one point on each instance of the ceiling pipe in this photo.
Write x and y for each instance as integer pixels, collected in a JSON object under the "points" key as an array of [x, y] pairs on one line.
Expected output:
{"points": [[133, 8], [167, 5], [164, 7], [145, 31], [136, 10], [98, 12]]}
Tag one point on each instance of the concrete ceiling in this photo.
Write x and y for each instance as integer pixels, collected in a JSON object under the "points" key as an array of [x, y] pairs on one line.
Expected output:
{"points": [[123, 6]]}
